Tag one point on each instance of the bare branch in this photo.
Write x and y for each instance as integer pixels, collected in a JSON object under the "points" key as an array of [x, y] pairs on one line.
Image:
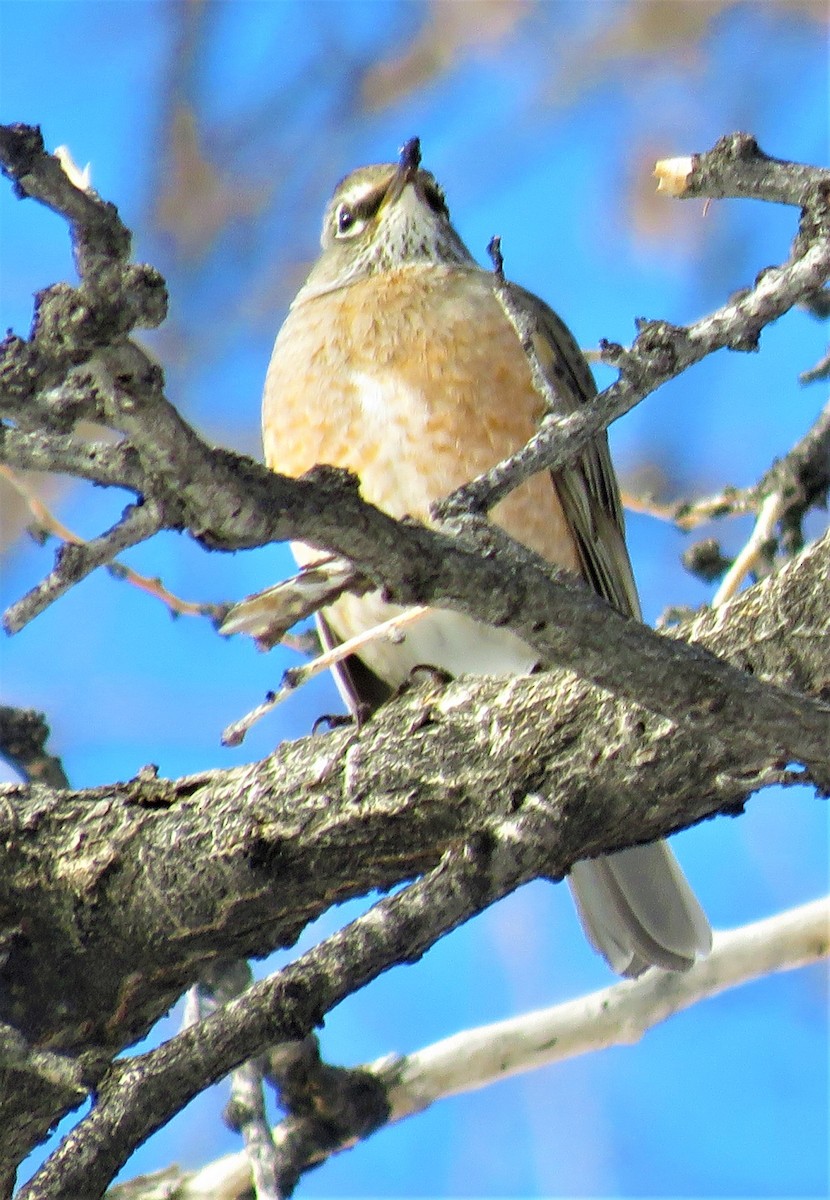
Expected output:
{"points": [[114, 296], [47, 523], [689, 514], [820, 371], [659, 353], [245, 1111], [64, 454], [475, 1058], [296, 677], [737, 167], [75, 560], [771, 513], [353, 801], [334, 1107], [40, 1065], [801, 477], [141, 1094], [662, 351], [792, 487], [616, 1015], [247, 504]]}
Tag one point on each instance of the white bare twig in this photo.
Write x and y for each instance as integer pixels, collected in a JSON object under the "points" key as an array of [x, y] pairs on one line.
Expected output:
{"points": [[771, 512], [295, 678], [618, 1015]]}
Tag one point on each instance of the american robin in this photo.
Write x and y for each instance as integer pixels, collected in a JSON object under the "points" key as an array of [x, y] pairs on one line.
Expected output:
{"points": [[397, 361]]}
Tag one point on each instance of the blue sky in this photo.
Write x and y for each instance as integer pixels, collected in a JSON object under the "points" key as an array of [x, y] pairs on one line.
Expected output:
{"points": [[219, 131]]}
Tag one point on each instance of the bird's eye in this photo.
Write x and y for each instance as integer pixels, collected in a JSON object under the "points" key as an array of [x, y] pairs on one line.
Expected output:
{"points": [[435, 199], [348, 222]]}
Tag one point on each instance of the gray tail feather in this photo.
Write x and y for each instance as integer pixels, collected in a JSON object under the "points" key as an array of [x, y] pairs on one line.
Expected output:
{"points": [[638, 910]]}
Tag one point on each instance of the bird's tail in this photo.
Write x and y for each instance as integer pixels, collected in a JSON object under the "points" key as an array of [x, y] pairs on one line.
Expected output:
{"points": [[638, 910]]}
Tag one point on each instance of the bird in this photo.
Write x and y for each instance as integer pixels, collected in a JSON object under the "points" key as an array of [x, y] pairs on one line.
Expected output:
{"points": [[398, 362]]}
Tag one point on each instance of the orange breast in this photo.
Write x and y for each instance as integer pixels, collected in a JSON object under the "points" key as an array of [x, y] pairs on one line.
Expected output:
{"points": [[417, 382]]}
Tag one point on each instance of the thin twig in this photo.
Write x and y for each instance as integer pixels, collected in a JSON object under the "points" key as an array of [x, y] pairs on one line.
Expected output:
{"points": [[294, 678], [821, 370], [50, 524], [793, 486], [689, 514], [74, 562], [771, 512], [245, 1111]]}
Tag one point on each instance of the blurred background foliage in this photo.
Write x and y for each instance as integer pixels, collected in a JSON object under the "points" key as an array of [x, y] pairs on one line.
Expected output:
{"points": [[219, 130]]}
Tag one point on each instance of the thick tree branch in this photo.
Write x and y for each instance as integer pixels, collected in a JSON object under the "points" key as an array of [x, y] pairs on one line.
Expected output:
{"points": [[566, 623], [106, 875], [139, 1095]]}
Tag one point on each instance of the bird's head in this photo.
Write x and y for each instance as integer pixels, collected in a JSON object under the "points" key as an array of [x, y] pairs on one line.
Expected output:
{"points": [[382, 218]]}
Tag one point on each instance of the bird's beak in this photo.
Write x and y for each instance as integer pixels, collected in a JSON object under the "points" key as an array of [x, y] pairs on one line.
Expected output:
{"points": [[406, 172]]}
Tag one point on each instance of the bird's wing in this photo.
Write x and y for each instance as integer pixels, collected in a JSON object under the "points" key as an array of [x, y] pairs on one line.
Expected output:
{"points": [[635, 905], [588, 487]]}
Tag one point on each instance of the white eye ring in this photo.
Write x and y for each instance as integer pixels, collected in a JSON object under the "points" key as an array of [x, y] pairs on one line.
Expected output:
{"points": [[347, 223]]}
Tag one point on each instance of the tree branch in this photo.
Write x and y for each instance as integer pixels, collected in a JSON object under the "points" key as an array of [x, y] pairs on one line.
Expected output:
{"points": [[736, 167], [114, 296], [662, 351], [139, 1095], [617, 1015], [793, 486], [75, 560], [403, 1086], [98, 462], [245, 1111], [331, 817]]}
